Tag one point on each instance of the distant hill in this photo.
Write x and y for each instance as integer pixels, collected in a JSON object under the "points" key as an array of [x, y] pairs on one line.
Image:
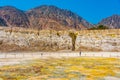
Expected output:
{"points": [[42, 17], [50, 17], [111, 22], [45, 17], [13, 16]]}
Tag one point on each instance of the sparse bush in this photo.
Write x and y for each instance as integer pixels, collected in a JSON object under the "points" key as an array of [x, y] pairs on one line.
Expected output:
{"points": [[99, 27], [1, 42], [58, 34]]}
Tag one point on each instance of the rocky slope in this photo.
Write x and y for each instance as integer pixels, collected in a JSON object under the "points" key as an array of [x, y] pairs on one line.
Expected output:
{"points": [[2, 22], [55, 18], [49, 17], [43, 17], [112, 21], [13, 16]]}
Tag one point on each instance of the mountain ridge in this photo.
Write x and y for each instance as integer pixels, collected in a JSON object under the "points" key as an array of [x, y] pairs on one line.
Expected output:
{"points": [[13, 16], [54, 17], [50, 17], [111, 21]]}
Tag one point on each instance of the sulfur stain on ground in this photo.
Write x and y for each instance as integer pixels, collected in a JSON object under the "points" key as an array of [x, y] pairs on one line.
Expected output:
{"points": [[83, 68]]}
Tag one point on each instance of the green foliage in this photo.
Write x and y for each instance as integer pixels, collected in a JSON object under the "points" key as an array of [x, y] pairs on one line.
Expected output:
{"points": [[99, 27], [102, 27]]}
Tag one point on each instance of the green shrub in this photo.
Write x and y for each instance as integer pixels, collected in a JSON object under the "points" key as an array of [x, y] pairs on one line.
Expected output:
{"points": [[99, 27]]}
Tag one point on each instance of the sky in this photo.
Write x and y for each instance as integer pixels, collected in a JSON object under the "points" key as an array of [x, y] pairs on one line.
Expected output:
{"points": [[91, 10]]}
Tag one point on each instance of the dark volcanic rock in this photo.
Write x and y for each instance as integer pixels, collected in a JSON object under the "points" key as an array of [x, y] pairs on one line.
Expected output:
{"points": [[14, 17], [112, 21]]}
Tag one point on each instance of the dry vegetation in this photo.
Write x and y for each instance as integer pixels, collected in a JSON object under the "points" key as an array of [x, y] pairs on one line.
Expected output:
{"points": [[41, 45], [63, 69], [109, 32]]}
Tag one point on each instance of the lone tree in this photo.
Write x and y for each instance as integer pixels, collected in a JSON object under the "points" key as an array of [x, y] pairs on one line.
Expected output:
{"points": [[73, 37]]}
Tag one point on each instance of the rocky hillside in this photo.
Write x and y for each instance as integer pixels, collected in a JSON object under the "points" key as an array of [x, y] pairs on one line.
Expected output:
{"points": [[50, 18], [43, 17], [112, 21], [2, 22], [13, 16]]}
